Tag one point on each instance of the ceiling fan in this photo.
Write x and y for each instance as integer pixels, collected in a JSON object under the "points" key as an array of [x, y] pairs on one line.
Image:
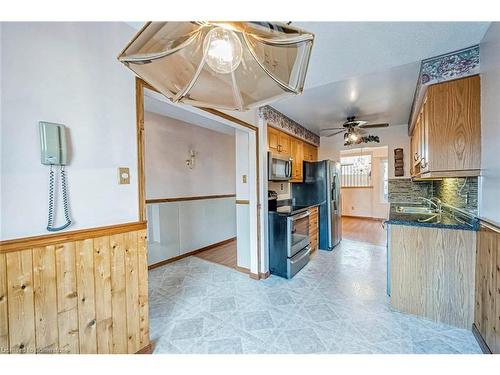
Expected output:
{"points": [[354, 129]]}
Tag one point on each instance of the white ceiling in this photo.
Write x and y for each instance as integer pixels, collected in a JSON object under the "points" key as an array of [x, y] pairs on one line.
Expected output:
{"points": [[370, 69], [157, 103]]}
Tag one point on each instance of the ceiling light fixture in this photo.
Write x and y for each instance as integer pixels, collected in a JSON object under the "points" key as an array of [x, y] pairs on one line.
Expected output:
{"points": [[223, 50], [231, 65]]}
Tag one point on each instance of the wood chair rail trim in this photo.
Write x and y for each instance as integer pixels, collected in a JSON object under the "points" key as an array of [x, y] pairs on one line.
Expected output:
{"points": [[76, 235]]}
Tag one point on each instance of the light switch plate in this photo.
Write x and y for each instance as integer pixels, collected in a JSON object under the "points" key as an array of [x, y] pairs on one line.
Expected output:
{"points": [[124, 176], [244, 178]]}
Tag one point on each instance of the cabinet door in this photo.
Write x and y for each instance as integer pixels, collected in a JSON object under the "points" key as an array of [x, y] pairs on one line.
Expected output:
{"points": [[454, 128], [424, 137], [273, 139], [297, 154], [284, 143], [306, 147], [314, 153], [415, 143]]}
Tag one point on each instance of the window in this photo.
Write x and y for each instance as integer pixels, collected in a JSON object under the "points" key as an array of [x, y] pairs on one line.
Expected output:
{"points": [[384, 172], [356, 171]]}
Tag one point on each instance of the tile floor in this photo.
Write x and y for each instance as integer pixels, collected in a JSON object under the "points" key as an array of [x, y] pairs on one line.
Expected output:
{"points": [[336, 304]]}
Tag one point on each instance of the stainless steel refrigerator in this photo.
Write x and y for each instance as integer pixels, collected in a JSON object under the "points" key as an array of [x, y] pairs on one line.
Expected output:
{"points": [[322, 186]]}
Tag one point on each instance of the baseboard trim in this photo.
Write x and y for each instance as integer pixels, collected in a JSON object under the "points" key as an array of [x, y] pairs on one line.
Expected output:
{"points": [[148, 349], [264, 275], [242, 270], [70, 236], [194, 252], [365, 217], [482, 344]]}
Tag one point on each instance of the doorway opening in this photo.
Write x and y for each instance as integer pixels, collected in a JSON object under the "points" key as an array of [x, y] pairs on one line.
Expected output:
{"points": [[198, 183], [364, 186]]}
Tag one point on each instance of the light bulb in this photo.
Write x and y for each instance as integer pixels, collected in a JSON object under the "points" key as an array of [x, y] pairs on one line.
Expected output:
{"points": [[354, 137], [223, 50]]}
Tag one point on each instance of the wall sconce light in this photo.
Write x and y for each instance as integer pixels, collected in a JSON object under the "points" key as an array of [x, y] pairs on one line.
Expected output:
{"points": [[191, 160]]}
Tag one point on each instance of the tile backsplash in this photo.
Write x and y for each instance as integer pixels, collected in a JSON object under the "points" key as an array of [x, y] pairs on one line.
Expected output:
{"points": [[457, 192], [405, 190]]}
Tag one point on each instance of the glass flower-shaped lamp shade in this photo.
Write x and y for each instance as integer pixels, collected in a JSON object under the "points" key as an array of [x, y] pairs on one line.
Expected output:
{"points": [[235, 65]]}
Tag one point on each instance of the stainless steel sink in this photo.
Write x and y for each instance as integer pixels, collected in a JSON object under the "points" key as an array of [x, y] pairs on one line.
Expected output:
{"points": [[416, 210]]}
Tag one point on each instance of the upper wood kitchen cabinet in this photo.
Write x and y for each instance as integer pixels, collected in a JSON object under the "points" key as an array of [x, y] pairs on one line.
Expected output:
{"points": [[297, 154], [310, 152], [281, 143], [446, 137], [278, 141]]}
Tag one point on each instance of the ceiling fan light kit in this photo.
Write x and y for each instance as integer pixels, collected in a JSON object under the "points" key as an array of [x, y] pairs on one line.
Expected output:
{"points": [[353, 131], [223, 65]]}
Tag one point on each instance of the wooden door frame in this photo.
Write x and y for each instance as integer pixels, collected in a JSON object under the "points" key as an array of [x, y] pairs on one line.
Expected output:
{"points": [[140, 85]]}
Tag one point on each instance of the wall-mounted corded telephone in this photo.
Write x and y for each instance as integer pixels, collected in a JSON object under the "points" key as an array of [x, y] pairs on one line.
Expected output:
{"points": [[54, 152]]}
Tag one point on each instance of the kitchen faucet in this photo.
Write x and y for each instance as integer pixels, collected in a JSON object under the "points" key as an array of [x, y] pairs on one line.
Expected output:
{"points": [[433, 202]]}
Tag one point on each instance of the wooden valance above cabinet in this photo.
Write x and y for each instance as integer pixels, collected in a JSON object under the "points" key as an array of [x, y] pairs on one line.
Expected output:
{"points": [[281, 143], [446, 136]]}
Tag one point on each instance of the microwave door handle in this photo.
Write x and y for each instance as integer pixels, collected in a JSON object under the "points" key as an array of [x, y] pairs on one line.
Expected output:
{"points": [[287, 168], [289, 163]]}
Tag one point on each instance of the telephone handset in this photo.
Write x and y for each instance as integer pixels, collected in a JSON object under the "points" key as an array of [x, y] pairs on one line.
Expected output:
{"points": [[54, 152]]}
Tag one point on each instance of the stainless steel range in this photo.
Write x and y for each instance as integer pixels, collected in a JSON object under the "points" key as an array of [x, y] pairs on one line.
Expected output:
{"points": [[289, 245]]}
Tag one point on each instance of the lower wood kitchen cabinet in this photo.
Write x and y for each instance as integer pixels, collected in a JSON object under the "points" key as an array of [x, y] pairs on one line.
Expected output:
{"points": [[487, 307], [314, 228], [432, 272]]}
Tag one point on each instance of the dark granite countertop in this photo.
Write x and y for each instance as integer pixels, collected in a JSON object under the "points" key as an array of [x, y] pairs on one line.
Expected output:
{"points": [[449, 219]]}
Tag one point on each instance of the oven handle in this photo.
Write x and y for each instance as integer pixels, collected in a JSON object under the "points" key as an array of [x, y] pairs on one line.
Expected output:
{"points": [[301, 216], [302, 256]]}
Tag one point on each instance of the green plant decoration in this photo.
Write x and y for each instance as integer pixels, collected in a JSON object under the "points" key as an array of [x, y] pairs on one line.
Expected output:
{"points": [[366, 139]]}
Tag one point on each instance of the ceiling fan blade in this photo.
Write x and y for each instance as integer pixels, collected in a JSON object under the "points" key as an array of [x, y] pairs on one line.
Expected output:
{"points": [[384, 125], [331, 135], [328, 129]]}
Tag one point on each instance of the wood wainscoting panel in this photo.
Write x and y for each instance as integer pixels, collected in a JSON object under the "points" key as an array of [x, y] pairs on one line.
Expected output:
{"points": [[81, 296], [67, 298], [4, 312], [21, 302], [487, 306], [103, 311], [45, 286], [132, 292], [432, 273], [86, 296], [142, 270], [118, 296]]}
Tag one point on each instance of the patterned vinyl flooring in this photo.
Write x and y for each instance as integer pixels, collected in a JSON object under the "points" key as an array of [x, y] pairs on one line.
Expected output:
{"points": [[336, 304]]}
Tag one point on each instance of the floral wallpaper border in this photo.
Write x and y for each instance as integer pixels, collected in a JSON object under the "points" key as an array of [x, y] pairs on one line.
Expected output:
{"points": [[450, 66], [453, 65], [279, 120]]}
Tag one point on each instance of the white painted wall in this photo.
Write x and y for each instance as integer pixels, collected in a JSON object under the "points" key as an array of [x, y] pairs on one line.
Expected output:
{"points": [[261, 227], [242, 193], [167, 143], [490, 124], [177, 228], [67, 73], [394, 136]]}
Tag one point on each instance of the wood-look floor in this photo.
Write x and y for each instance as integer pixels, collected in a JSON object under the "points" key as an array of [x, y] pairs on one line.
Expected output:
{"points": [[223, 254], [364, 230]]}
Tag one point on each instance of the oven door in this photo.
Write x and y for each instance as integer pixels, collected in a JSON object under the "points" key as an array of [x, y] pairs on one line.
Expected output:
{"points": [[298, 232], [279, 168]]}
